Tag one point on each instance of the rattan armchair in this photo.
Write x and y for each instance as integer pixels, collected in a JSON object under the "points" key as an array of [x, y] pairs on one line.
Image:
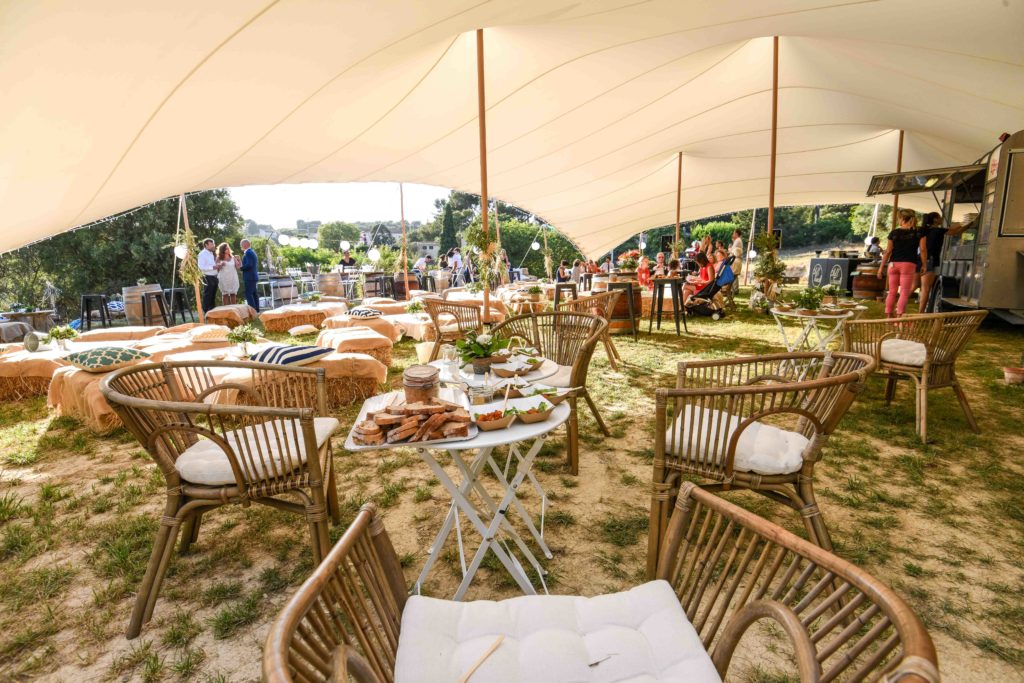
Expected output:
{"points": [[227, 433], [602, 305], [727, 567], [755, 423], [569, 340], [923, 348], [451, 321]]}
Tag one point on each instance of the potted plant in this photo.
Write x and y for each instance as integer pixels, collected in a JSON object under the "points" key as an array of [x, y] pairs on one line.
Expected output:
{"points": [[314, 298], [535, 292], [770, 269], [478, 349], [243, 335], [415, 307], [61, 334], [809, 300], [628, 262], [831, 294]]}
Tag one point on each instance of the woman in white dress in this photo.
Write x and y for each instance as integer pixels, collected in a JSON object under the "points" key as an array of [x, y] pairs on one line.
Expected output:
{"points": [[227, 274]]}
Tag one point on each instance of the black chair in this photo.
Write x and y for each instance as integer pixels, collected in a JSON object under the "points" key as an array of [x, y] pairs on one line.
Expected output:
{"points": [[586, 282], [658, 303], [178, 298], [149, 301], [564, 287], [627, 288], [428, 283], [90, 303]]}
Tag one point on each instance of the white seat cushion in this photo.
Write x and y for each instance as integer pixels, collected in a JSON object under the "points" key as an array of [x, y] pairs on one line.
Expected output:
{"points": [[205, 463], [637, 635], [903, 352], [762, 448], [561, 379]]}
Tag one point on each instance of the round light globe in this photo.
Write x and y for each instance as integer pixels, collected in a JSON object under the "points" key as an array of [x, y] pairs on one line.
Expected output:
{"points": [[283, 240], [180, 251], [345, 245], [535, 246], [752, 254], [373, 255], [643, 245]]}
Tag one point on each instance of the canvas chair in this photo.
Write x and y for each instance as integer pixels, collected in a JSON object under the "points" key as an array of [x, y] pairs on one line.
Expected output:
{"points": [[721, 570], [755, 423], [451, 321], [923, 348], [602, 305], [223, 433], [569, 340]]}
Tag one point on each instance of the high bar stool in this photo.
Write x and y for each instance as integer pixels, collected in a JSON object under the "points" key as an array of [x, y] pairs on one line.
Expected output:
{"points": [[586, 281], [658, 302], [90, 303], [564, 287], [148, 300], [179, 304]]}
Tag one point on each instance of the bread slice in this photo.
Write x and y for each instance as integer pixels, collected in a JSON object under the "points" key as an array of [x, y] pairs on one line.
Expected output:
{"points": [[402, 432], [388, 419], [424, 408], [459, 415], [455, 429], [432, 423]]}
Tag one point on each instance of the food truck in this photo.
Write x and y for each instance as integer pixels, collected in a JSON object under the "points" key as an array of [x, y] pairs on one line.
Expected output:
{"points": [[983, 267]]}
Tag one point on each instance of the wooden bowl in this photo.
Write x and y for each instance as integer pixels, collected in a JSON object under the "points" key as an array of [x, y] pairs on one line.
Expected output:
{"points": [[783, 308], [505, 373], [491, 425], [530, 418], [806, 311], [553, 400]]}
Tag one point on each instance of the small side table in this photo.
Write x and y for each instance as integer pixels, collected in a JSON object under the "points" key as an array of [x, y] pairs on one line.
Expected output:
{"points": [[658, 304]]}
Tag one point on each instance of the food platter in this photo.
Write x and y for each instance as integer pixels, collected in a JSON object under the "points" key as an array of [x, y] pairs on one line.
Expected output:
{"points": [[388, 421], [529, 410]]}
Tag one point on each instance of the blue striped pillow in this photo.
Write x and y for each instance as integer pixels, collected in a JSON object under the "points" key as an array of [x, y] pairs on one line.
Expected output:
{"points": [[291, 355]]}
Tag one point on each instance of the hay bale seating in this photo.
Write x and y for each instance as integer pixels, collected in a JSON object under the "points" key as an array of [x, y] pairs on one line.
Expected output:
{"points": [[126, 333], [380, 325], [284, 318], [385, 305], [358, 340], [231, 315]]}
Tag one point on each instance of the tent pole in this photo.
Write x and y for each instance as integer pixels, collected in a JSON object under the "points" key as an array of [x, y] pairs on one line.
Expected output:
{"points": [[775, 133], [195, 285], [405, 244], [482, 119], [503, 272], [750, 246], [679, 203], [899, 169]]}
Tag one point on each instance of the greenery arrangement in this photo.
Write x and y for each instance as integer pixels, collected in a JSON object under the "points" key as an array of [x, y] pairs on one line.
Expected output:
{"points": [[475, 346], [831, 290], [243, 334], [475, 287], [61, 333], [415, 307], [809, 299], [314, 297], [535, 289]]}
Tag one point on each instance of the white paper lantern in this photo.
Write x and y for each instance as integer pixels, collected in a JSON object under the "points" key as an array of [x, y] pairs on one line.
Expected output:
{"points": [[535, 246], [345, 245], [307, 243], [180, 251], [643, 245], [373, 255], [752, 254], [284, 240], [314, 244], [867, 241]]}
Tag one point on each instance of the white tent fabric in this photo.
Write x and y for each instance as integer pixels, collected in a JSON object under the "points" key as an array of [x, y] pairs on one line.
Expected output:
{"points": [[109, 104]]}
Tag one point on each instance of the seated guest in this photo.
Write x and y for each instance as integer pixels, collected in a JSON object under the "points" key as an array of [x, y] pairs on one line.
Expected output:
{"points": [[673, 268], [442, 263], [563, 274], [695, 283], [643, 272], [875, 249], [347, 260], [659, 269]]}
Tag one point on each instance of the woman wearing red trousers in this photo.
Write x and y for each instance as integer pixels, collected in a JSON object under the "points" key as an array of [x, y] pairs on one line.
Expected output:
{"points": [[901, 255]]}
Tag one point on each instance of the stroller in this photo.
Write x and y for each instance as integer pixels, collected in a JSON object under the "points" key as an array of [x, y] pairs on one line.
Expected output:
{"points": [[709, 300]]}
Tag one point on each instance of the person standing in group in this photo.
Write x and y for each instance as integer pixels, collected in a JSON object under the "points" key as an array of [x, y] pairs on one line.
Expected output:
{"points": [[506, 262], [707, 248], [227, 274], [207, 263], [901, 255], [606, 267], [736, 250], [564, 272], [578, 268], [250, 274], [934, 235], [643, 272]]}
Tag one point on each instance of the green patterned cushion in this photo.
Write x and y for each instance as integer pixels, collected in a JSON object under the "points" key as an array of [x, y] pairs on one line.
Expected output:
{"points": [[105, 358]]}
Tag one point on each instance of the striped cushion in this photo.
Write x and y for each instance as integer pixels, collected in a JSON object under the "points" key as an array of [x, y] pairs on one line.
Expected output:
{"points": [[290, 355], [363, 312]]}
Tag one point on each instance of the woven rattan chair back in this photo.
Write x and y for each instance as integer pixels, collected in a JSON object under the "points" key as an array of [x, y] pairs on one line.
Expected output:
{"points": [[261, 419], [451, 321], [728, 566], [699, 424], [601, 305]]}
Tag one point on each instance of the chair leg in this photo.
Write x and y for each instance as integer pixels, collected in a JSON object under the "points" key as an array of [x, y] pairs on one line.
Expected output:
{"points": [[610, 350], [190, 532], [817, 531], [333, 507], [968, 413], [597, 414], [149, 590], [890, 389], [922, 411], [573, 438], [437, 349]]}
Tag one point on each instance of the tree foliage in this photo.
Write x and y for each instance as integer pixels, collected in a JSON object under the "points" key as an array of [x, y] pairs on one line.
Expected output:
{"points": [[330, 235], [449, 240]]}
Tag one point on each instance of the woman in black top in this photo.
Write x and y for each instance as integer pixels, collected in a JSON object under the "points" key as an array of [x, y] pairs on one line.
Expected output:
{"points": [[901, 254], [934, 235]]}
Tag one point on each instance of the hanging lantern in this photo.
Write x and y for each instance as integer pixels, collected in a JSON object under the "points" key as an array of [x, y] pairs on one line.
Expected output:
{"points": [[642, 245], [345, 245], [752, 254], [313, 244], [180, 251], [284, 240], [373, 255], [535, 246]]}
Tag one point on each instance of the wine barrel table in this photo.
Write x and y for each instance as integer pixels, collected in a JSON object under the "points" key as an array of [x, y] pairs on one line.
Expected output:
{"points": [[133, 302], [867, 284], [330, 284], [620, 322], [599, 283]]}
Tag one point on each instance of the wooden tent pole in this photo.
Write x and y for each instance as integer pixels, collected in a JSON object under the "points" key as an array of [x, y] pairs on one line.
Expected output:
{"points": [[482, 119], [195, 285], [896, 196], [503, 273], [775, 133], [405, 244], [750, 246], [679, 204]]}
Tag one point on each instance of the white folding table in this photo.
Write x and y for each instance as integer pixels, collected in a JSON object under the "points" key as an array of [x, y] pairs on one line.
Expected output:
{"points": [[823, 327], [487, 516]]}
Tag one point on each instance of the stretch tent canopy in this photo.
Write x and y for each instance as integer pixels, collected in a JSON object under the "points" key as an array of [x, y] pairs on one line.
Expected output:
{"points": [[109, 104]]}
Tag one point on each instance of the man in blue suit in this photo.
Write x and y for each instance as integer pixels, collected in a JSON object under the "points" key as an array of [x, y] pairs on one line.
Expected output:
{"points": [[250, 274]]}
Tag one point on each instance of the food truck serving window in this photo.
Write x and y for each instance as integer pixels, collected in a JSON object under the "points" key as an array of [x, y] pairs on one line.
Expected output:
{"points": [[932, 180]]}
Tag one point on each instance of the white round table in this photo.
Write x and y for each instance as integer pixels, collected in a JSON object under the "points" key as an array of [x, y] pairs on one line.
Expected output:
{"points": [[823, 327], [490, 518], [546, 369]]}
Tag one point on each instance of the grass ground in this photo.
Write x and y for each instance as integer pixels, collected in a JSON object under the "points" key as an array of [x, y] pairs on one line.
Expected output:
{"points": [[941, 523]]}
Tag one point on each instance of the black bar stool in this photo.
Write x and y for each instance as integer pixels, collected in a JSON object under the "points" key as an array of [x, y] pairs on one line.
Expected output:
{"points": [[627, 288], [429, 284], [564, 287], [178, 297], [148, 300], [586, 282], [658, 303], [90, 303]]}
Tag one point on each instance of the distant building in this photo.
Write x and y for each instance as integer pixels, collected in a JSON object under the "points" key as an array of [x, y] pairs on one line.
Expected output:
{"points": [[417, 249], [307, 228]]}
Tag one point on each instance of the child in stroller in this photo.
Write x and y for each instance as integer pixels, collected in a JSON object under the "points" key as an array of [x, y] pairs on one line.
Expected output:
{"points": [[709, 300]]}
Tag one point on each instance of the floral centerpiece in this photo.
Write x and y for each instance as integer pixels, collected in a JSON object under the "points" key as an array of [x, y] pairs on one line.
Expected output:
{"points": [[629, 260], [809, 300], [534, 292], [243, 335], [61, 334], [415, 307], [475, 287], [479, 350], [314, 297]]}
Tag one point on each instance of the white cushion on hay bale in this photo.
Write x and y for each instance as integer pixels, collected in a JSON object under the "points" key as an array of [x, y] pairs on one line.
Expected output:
{"points": [[761, 448], [637, 635], [204, 462], [380, 325], [903, 352]]}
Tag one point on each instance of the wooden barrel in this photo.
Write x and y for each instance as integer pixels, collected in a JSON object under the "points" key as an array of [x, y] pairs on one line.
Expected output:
{"points": [[619, 323], [600, 283], [329, 284], [867, 284], [133, 302], [402, 289]]}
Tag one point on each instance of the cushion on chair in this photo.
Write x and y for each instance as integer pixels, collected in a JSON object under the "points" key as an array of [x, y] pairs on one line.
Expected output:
{"points": [[762, 448], [561, 379], [205, 463], [299, 330], [105, 358], [290, 355], [364, 312], [903, 352], [638, 635]]}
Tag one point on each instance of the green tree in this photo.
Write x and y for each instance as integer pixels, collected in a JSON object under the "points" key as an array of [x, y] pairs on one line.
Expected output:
{"points": [[861, 214], [382, 237], [330, 235], [449, 240], [720, 231]]}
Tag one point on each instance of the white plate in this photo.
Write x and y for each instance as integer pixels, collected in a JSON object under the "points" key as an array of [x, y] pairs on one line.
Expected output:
{"points": [[375, 403]]}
